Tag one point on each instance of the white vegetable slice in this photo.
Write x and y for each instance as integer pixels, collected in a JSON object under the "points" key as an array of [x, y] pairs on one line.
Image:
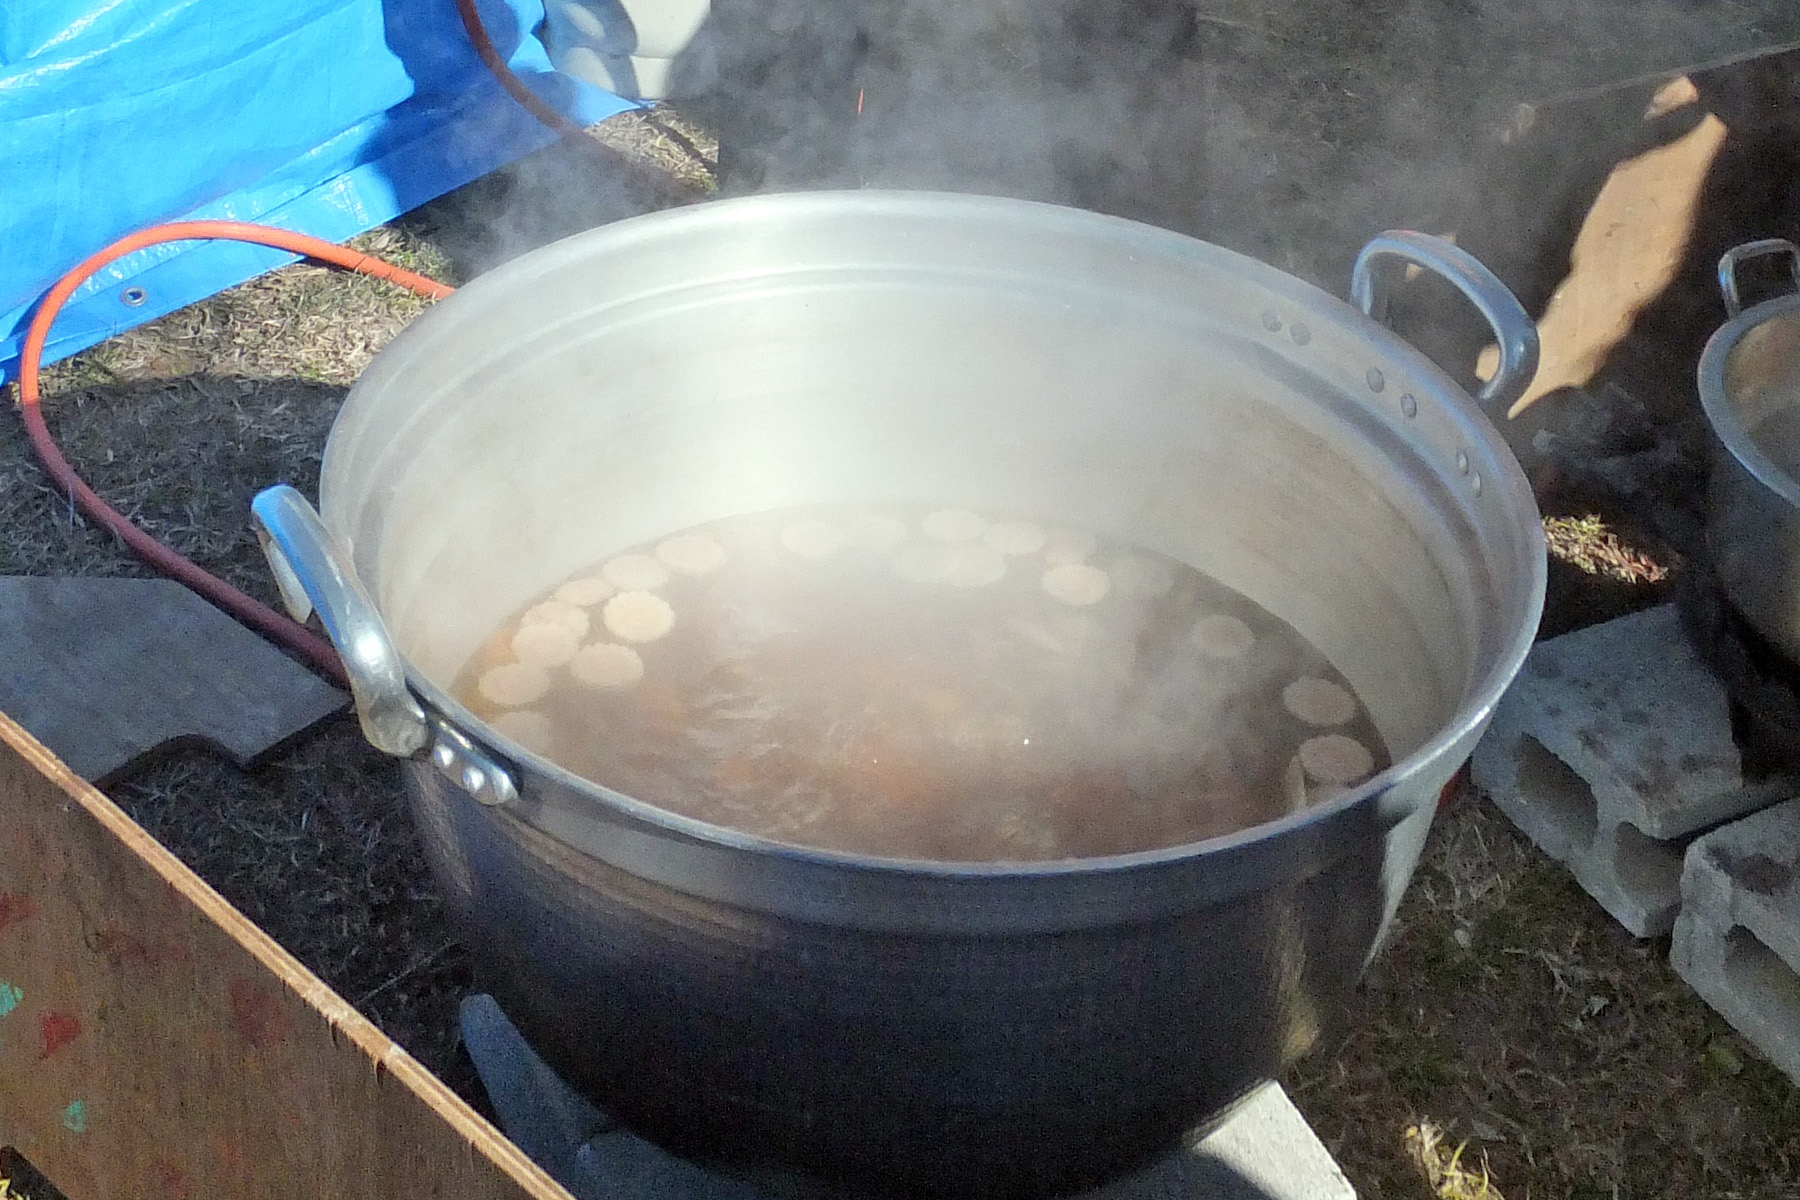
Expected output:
{"points": [[1335, 758], [952, 525], [530, 729], [585, 592], [813, 538], [1015, 537], [1077, 584], [690, 554], [545, 644], [1223, 637], [635, 573], [638, 617], [1293, 785], [513, 684], [556, 612], [607, 666], [1318, 701]]}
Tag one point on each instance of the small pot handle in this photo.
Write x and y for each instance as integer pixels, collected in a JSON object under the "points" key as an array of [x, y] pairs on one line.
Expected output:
{"points": [[310, 569], [1738, 255], [1514, 330]]}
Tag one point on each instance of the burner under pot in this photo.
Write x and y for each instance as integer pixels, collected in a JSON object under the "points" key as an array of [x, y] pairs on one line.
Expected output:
{"points": [[1762, 683]]}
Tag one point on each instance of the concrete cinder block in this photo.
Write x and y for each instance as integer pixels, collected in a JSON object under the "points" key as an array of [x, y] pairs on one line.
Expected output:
{"points": [[1635, 878], [1737, 940], [1610, 751], [1633, 711]]}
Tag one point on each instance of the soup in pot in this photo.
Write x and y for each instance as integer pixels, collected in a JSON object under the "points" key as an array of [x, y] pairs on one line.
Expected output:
{"points": [[932, 684]]}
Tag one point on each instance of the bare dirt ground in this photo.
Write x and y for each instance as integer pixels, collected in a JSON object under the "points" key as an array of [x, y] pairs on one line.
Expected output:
{"points": [[1512, 1041]]}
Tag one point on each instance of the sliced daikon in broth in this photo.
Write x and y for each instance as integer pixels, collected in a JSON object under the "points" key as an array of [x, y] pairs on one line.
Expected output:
{"points": [[934, 683]]}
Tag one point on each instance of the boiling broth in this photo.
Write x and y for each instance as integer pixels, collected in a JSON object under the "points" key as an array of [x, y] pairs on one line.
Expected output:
{"points": [[924, 684]]}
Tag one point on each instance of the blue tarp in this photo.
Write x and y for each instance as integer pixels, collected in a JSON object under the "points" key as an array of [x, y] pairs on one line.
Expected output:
{"points": [[323, 116]]}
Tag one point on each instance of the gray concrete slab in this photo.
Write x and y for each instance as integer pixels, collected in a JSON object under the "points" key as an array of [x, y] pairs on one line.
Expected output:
{"points": [[106, 671]]}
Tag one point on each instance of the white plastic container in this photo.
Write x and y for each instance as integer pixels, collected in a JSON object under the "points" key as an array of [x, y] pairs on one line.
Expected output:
{"points": [[627, 47]]}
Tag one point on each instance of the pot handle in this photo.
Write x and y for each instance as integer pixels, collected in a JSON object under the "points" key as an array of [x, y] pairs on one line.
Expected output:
{"points": [[1737, 255], [1514, 331], [313, 572], [310, 569]]}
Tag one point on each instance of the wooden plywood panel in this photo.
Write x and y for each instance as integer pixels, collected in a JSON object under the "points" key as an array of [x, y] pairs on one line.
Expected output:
{"points": [[155, 1043]]}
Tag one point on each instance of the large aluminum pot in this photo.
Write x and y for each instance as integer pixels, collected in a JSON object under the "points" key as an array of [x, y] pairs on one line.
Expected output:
{"points": [[928, 1025], [1750, 390]]}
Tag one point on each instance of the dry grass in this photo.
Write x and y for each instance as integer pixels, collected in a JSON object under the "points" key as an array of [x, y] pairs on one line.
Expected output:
{"points": [[1442, 1167], [1512, 1020], [661, 139], [178, 423], [305, 321], [1590, 544]]}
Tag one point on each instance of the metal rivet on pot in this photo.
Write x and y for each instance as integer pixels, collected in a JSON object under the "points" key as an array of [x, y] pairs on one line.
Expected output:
{"points": [[443, 756], [1376, 379], [473, 778], [1271, 320], [1408, 405], [132, 297], [1462, 462], [1300, 333], [1475, 482]]}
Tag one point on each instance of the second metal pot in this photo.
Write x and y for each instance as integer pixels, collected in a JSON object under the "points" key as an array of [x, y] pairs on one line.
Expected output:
{"points": [[1749, 382]]}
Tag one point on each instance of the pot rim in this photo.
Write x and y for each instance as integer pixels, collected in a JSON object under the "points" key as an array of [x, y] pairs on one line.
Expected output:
{"points": [[1721, 413], [1510, 489]]}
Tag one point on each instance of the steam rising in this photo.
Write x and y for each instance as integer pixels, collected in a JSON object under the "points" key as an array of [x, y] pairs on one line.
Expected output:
{"points": [[1007, 98], [1289, 131]]}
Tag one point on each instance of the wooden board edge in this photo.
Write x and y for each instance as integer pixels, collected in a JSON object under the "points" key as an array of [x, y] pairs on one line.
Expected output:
{"points": [[382, 1051]]}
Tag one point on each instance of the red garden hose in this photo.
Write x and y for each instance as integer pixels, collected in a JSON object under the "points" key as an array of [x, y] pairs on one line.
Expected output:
{"points": [[515, 87], [258, 616]]}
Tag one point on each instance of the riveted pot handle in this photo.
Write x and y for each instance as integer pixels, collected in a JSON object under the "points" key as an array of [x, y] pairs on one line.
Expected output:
{"points": [[311, 570], [1516, 334], [1737, 255]]}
